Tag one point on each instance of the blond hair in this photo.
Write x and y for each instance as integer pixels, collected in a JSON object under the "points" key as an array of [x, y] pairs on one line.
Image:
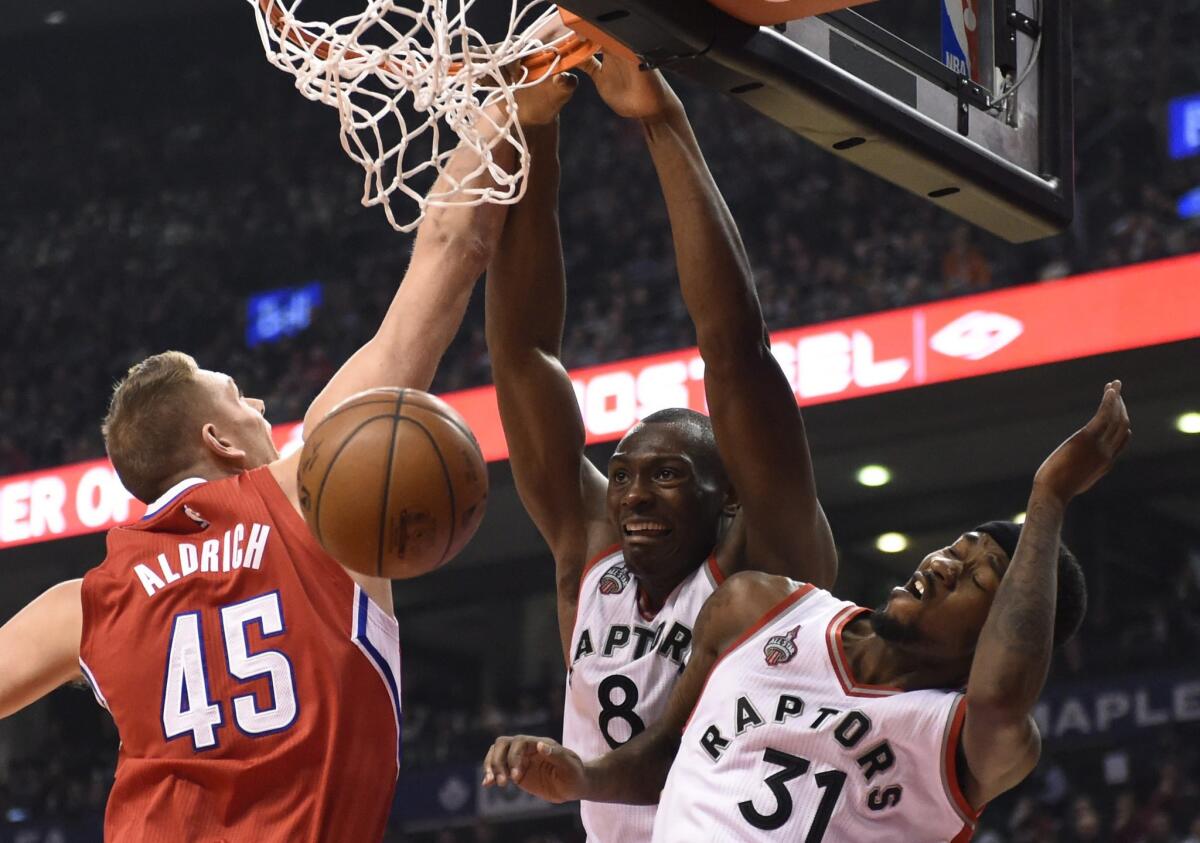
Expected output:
{"points": [[145, 430]]}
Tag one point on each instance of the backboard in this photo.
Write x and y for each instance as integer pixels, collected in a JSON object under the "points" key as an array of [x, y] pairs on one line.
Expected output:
{"points": [[983, 130]]}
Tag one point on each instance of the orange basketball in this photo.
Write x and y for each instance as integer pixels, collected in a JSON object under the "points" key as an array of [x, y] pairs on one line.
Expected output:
{"points": [[392, 483]]}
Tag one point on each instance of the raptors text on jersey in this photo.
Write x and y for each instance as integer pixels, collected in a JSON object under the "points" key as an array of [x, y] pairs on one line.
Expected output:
{"points": [[623, 667], [785, 744], [254, 685]]}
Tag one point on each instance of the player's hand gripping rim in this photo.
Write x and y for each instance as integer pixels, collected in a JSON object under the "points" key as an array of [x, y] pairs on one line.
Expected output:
{"points": [[540, 766]]}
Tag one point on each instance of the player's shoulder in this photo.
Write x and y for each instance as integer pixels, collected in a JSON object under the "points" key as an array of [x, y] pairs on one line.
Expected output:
{"points": [[740, 602], [754, 590]]}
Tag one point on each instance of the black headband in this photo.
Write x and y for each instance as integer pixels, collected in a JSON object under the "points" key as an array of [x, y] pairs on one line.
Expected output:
{"points": [[1005, 533]]}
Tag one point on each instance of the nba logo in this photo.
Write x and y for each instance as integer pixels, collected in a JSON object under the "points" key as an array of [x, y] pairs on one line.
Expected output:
{"points": [[960, 37]]}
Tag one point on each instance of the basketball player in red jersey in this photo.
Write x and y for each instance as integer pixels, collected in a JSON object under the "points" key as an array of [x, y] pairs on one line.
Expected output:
{"points": [[253, 680], [637, 552], [803, 717]]}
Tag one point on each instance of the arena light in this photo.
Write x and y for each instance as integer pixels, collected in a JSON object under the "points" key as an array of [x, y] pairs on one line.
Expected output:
{"points": [[1183, 126], [1188, 206], [874, 475], [1188, 423], [891, 543], [1019, 518]]}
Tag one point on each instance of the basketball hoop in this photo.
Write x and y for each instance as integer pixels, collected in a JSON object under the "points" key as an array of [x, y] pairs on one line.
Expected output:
{"points": [[398, 75]]}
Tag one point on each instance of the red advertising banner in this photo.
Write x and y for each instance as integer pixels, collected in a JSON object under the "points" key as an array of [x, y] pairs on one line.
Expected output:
{"points": [[1131, 307]]}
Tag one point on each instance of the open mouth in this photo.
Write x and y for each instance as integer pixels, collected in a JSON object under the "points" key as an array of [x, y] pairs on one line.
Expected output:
{"points": [[918, 585], [645, 528]]}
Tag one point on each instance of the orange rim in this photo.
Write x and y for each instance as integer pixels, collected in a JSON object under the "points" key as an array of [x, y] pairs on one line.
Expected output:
{"points": [[573, 51]]}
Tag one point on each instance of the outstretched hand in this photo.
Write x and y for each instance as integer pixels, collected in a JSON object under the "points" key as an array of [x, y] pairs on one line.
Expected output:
{"points": [[628, 90], [1078, 463], [537, 765]]}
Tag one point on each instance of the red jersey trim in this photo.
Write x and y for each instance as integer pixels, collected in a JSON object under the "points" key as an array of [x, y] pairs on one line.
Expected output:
{"points": [[841, 665], [596, 560], [607, 553], [714, 570], [950, 768], [772, 613]]}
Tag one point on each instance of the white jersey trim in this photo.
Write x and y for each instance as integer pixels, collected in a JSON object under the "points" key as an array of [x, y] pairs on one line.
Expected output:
{"points": [[170, 495], [377, 635], [93, 684]]}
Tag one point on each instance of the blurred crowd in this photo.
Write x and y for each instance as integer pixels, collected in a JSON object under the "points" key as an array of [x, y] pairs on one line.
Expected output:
{"points": [[138, 221]]}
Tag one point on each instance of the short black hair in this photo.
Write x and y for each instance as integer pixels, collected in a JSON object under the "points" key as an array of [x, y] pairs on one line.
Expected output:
{"points": [[699, 430], [1070, 604]]}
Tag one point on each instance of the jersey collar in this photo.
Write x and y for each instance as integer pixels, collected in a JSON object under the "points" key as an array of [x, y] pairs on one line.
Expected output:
{"points": [[170, 495]]}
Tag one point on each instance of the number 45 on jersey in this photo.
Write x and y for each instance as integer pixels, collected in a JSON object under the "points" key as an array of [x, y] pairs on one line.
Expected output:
{"points": [[187, 704]]}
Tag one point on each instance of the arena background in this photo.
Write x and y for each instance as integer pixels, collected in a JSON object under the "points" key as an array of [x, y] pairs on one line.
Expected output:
{"points": [[159, 174]]}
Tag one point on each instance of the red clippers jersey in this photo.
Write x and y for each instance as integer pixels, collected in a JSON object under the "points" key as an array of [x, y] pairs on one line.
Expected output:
{"points": [[255, 687]]}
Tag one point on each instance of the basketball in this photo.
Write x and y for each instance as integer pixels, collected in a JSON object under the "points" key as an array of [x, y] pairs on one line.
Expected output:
{"points": [[392, 483]]}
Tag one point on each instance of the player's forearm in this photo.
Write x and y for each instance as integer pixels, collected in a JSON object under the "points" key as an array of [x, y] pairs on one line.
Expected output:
{"points": [[526, 300], [452, 249], [464, 234], [526, 287], [714, 270], [1013, 654], [633, 774]]}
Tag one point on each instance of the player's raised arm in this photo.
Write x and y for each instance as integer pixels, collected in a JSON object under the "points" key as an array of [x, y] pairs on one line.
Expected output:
{"points": [[758, 427], [560, 488], [39, 647], [1000, 741], [453, 246], [635, 772]]}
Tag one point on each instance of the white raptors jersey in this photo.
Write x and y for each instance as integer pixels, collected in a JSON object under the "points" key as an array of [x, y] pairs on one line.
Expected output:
{"points": [[623, 667], [785, 745]]}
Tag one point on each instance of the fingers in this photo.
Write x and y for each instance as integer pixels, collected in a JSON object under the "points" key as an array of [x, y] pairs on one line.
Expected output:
{"points": [[518, 752], [566, 82], [1111, 423], [506, 760], [590, 65], [494, 770]]}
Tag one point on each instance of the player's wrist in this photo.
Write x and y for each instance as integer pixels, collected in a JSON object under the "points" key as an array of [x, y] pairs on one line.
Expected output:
{"points": [[1047, 499], [591, 779], [670, 111]]}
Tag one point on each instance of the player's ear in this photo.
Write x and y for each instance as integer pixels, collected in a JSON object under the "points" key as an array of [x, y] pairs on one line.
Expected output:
{"points": [[731, 504], [220, 446]]}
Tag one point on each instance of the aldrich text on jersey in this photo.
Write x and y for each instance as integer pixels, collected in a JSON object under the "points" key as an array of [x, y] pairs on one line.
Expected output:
{"points": [[239, 549]]}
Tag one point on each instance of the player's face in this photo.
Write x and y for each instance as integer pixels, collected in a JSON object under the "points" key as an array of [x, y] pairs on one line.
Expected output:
{"points": [[666, 507], [944, 604], [239, 419]]}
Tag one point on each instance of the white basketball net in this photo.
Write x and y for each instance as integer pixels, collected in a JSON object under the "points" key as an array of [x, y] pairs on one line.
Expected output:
{"points": [[399, 70]]}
